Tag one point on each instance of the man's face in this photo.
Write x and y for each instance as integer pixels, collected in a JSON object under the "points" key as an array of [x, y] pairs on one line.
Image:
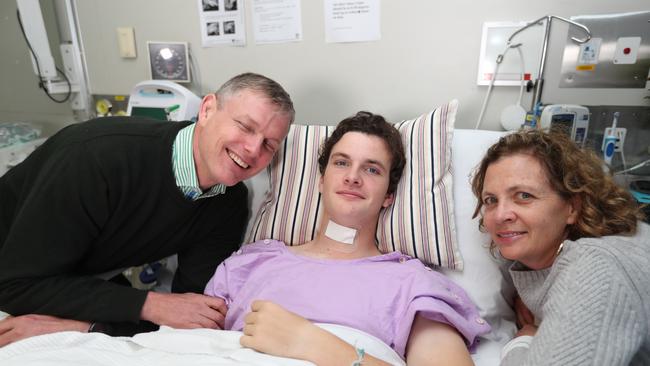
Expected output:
{"points": [[237, 140]]}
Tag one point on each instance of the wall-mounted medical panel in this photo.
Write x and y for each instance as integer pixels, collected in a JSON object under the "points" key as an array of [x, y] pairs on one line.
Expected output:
{"points": [[493, 43], [617, 56]]}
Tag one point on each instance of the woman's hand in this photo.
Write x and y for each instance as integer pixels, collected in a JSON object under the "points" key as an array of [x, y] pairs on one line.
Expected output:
{"points": [[524, 315], [271, 329], [525, 318], [526, 330]]}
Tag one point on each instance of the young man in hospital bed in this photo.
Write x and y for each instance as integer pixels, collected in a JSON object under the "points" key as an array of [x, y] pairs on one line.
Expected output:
{"points": [[274, 292], [108, 194]]}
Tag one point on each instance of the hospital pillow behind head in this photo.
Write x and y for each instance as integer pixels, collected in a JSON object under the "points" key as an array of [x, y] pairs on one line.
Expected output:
{"points": [[419, 223]]}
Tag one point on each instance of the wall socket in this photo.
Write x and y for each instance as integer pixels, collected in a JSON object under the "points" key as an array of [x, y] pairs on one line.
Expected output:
{"points": [[620, 134]]}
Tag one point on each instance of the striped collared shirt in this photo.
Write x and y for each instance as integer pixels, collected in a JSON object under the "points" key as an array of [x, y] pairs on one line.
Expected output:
{"points": [[184, 169]]}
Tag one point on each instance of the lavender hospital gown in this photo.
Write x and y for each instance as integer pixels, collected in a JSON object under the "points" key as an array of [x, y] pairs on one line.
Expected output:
{"points": [[379, 295]]}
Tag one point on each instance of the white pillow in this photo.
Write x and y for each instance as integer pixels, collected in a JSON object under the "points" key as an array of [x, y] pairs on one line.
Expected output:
{"points": [[484, 277]]}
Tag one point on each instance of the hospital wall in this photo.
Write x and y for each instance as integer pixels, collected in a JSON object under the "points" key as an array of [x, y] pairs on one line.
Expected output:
{"points": [[428, 54]]}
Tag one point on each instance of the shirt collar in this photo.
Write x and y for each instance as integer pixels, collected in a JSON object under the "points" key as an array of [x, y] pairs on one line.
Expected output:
{"points": [[185, 170]]}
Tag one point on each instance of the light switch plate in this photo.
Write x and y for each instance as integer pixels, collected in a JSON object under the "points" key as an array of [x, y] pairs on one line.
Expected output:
{"points": [[126, 42]]}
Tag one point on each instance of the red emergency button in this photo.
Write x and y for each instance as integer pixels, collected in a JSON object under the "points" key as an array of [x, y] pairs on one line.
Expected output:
{"points": [[626, 50]]}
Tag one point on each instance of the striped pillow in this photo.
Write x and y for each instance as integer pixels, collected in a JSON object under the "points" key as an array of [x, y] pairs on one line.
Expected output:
{"points": [[419, 223]]}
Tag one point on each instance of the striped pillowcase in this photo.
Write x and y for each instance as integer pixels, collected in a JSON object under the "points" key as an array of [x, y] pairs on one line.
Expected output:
{"points": [[419, 223]]}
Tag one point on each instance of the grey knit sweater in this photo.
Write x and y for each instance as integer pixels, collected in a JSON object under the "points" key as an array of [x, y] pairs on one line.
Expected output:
{"points": [[593, 304]]}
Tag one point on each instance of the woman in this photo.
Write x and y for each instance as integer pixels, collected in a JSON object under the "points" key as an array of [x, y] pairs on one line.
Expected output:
{"points": [[275, 292], [581, 254]]}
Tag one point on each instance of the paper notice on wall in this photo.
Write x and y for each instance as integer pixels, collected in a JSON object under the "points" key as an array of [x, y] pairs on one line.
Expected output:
{"points": [[276, 21], [352, 21], [222, 22]]}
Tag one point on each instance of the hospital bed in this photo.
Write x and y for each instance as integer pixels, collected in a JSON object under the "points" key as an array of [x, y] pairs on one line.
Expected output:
{"points": [[280, 210], [17, 141]]}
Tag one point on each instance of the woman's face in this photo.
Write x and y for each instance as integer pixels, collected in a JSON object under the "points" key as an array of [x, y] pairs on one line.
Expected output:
{"points": [[524, 215]]}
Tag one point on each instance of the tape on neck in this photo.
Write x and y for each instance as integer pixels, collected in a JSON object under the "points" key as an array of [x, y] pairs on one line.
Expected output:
{"points": [[340, 233]]}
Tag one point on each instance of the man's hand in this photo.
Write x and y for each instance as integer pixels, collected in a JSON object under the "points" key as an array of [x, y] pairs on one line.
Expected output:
{"points": [[13, 329], [271, 329], [184, 310]]}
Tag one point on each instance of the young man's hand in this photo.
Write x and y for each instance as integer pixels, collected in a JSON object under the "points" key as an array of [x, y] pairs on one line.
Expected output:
{"points": [[271, 329]]}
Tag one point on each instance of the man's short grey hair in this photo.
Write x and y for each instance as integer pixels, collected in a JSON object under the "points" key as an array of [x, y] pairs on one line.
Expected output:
{"points": [[260, 84]]}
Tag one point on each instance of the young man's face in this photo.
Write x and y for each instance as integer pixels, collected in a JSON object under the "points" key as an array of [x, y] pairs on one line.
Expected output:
{"points": [[237, 140], [355, 182]]}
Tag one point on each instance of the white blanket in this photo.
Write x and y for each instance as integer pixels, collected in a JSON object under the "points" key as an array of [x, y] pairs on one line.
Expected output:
{"points": [[166, 347]]}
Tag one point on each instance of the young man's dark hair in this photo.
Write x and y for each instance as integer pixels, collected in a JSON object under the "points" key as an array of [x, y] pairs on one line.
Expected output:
{"points": [[374, 125]]}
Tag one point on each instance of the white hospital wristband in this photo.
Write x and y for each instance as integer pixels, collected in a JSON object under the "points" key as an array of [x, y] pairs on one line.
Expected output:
{"points": [[518, 342]]}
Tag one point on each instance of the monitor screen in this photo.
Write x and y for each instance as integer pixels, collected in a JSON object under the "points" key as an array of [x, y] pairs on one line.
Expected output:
{"points": [[155, 113], [563, 122]]}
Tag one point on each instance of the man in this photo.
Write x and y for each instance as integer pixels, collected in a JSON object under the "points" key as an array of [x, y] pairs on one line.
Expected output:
{"points": [[111, 193]]}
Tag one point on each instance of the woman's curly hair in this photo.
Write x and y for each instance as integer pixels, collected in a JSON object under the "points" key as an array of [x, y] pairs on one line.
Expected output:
{"points": [[576, 174]]}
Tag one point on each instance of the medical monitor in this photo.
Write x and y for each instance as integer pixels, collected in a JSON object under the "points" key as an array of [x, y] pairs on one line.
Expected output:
{"points": [[155, 113]]}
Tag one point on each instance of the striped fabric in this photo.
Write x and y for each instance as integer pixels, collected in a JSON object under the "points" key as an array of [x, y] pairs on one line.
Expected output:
{"points": [[291, 209], [420, 222], [184, 170]]}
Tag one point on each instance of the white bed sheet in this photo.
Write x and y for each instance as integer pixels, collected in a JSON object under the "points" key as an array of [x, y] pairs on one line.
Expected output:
{"points": [[166, 347], [184, 347], [482, 279]]}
